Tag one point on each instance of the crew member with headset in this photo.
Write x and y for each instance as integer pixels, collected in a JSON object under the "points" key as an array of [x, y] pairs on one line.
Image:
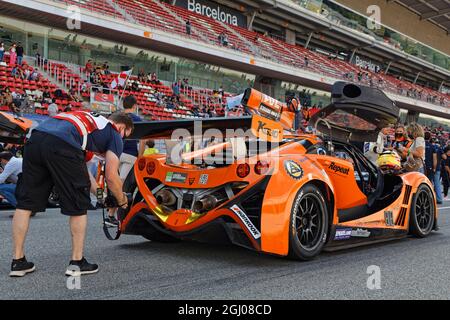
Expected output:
{"points": [[55, 155]]}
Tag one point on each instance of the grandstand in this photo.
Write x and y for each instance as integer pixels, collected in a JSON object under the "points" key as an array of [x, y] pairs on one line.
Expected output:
{"points": [[255, 52]]}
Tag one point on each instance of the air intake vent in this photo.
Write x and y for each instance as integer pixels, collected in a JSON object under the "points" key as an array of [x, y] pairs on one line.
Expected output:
{"points": [[407, 195], [401, 218]]}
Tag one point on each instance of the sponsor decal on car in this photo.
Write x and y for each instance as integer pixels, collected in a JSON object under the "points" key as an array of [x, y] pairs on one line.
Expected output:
{"points": [[389, 218], [293, 169], [343, 234], [191, 181], [248, 224], [266, 129], [338, 169], [204, 179], [176, 177], [270, 112], [361, 233]]}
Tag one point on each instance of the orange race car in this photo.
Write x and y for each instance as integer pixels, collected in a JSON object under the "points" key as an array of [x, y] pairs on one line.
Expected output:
{"points": [[272, 189]]}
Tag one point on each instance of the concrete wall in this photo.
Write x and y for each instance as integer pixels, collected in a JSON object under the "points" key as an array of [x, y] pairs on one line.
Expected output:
{"points": [[405, 21]]}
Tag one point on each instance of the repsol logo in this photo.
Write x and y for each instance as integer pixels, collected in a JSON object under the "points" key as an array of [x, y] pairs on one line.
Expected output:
{"points": [[250, 226], [338, 169], [217, 13]]}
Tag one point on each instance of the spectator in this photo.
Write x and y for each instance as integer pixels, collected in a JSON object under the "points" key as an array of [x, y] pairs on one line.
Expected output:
{"points": [[38, 58], [12, 167], [188, 27], [106, 71], [306, 61], [445, 171], [401, 143], [73, 95], [176, 88], [141, 75], [27, 74], [135, 86], [52, 108], [34, 75], [8, 98], [433, 157], [225, 39], [2, 51], [19, 51], [416, 153], [12, 55], [46, 95], [151, 148]]}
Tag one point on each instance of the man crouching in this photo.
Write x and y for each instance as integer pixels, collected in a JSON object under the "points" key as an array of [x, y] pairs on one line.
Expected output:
{"points": [[55, 156]]}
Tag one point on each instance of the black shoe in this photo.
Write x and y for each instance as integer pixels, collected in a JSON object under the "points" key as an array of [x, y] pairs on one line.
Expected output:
{"points": [[21, 267], [78, 268], [111, 221]]}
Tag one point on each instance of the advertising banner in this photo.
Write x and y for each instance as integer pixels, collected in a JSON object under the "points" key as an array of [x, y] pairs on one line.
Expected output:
{"points": [[215, 11], [103, 103]]}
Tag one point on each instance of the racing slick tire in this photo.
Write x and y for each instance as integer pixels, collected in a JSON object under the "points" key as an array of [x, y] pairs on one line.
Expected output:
{"points": [[421, 216], [308, 224]]}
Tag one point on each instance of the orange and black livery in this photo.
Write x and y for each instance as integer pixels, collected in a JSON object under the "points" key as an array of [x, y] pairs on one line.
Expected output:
{"points": [[303, 194]]}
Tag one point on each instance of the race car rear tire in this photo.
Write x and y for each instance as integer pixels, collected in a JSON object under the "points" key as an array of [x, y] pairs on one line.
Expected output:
{"points": [[308, 224], [422, 213]]}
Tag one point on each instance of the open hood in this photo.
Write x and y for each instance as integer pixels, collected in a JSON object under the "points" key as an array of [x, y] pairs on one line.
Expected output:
{"points": [[356, 113], [13, 129]]}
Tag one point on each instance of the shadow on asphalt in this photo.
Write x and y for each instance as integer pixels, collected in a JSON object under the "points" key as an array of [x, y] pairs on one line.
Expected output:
{"points": [[236, 255]]}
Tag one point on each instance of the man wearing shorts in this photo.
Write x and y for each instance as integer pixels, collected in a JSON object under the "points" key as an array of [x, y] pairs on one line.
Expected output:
{"points": [[55, 156]]}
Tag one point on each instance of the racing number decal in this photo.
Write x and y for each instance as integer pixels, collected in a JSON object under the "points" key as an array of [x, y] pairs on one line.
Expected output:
{"points": [[293, 169]]}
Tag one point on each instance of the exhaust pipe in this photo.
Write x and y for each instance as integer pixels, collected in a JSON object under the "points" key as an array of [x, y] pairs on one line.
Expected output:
{"points": [[166, 198], [207, 203]]}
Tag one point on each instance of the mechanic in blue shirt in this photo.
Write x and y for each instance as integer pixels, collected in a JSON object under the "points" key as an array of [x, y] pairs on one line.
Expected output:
{"points": [[130, 152], [55, 156], [433, 157], [130, 147]]}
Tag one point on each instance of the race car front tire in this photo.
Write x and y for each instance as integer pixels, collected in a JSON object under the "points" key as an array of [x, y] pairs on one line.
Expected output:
{"points": [[308, 224], [422, 213]]}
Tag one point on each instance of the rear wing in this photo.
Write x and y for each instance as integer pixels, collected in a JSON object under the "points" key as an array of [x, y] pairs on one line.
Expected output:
{"points": [[164, 129], [269, 118], [13, 129]]}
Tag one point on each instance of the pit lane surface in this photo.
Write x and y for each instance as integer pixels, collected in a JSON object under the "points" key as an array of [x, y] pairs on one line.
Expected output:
{"points": [[134, 268]]}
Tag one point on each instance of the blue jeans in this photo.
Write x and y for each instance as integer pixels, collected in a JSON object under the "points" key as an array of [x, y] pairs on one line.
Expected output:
{"points": [[2, 53], [437, 186], [19, 60], [8, 191]]}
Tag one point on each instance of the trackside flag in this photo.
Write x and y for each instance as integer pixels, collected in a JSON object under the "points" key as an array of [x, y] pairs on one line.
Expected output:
{"points": [[121, 79], [234, 101]]}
